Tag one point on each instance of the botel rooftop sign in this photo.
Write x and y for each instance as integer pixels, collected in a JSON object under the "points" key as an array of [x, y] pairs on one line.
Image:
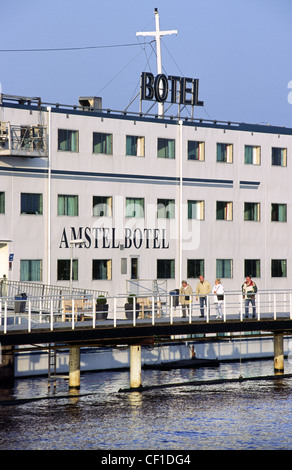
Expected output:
{"points": [[182, 90]]}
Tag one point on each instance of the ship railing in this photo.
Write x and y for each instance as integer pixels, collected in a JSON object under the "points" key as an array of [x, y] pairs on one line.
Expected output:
{"points": [[65, 310]]}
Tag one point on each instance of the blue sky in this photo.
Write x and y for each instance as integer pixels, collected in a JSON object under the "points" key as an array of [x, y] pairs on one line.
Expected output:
{"points": [[241, 51]]}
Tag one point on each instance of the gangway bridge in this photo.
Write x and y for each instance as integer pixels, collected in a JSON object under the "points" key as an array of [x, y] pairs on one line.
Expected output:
{"points": [[78, 320]]}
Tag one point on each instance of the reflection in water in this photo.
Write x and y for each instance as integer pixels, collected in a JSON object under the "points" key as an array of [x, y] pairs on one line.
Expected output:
{"points": [[230, 415]]}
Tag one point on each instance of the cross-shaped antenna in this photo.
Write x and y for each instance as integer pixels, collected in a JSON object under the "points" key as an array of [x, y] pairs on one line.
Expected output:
{"points": [[157, 34]]}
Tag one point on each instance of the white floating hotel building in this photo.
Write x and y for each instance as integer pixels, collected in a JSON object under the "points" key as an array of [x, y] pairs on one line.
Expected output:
{"points": [[153, 198]]}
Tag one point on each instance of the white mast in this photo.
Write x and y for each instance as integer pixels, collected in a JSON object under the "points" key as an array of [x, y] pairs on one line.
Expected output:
{"points": [[157, 34]]}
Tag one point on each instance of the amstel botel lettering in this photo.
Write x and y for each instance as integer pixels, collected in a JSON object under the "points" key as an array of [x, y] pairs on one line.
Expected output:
{"points": [[109, 237]]}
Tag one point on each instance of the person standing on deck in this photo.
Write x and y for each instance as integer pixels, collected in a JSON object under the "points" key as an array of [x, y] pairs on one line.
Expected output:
{"points": [[185, 297], [202, 290], [249, 289]]}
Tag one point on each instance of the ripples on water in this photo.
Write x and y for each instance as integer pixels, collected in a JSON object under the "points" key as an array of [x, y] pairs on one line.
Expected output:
{"points": [[230, 415]]}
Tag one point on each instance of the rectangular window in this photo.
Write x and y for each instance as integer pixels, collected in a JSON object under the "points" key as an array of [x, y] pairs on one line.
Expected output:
{"points": [[196, 150], [102, 206], [252, 211], [224, 268], [30, 270], [135, 146], [279, 156], [2, 202], [252, 155], [68, 140], [196, 210], [279, 268], [165, 269], [165, 148], [31, 203], [67, 205], [63, 270], [124, 266], [252, 267], [101, 269], [195, 268], [102, 143], [135, 207], [279, 212], [225, 153], [165, 208], [224, 210]]}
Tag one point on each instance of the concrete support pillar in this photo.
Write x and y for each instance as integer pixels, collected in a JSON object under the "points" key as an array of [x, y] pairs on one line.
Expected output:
{"points": [[6, 363], [135, 367], [74, 367], [278, 353]]}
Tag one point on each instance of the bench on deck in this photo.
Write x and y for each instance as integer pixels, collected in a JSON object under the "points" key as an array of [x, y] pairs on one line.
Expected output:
{"points": [[83, 309], [146, 307]]}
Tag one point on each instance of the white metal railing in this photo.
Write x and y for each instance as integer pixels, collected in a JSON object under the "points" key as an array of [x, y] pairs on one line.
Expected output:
{"points": [[26, 314]]}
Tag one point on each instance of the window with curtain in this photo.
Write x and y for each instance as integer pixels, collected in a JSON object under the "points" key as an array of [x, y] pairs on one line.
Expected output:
{"points": [[165, 148], [252, 155], [101, 269], [252, 211], [63, 270], [279, 212], [135, 207], [165, 269], [2, 202], [252, 267], [68, 140], [196, 150], [224, 210], [279, 268], [102, 143], [196, 210], [195, 268], [224, 268], [135, 146], [67, 205], [102, 206], [165, 208], [279, 156], [31, 203], [224, 153], [31, 270]]}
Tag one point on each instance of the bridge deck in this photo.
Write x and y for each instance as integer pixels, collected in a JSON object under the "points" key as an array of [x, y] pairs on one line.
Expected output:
{"points": [[123, 331]]}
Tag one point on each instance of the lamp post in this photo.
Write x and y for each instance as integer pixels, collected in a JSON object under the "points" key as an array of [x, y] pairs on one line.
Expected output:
{"points": [[73, 243]]}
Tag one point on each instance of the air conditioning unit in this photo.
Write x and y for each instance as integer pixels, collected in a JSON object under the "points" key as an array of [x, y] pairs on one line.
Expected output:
{"points": [[92, 103]]}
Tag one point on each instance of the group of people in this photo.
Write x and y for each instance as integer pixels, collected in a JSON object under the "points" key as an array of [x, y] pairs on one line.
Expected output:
{"points": [[248, 288]]}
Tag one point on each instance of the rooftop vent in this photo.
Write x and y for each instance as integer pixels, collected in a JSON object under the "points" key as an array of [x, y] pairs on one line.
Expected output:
{"points": [[90, 102]]}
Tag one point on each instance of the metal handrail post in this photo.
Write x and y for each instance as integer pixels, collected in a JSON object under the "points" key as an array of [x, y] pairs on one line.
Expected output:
{"points": [[134, 311], [29, 316], [73, 311], [258, 306], [93, 312], [51, 314], [41, 309], [208, 306], [153, 311], [5, 317], [115, 312]]}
